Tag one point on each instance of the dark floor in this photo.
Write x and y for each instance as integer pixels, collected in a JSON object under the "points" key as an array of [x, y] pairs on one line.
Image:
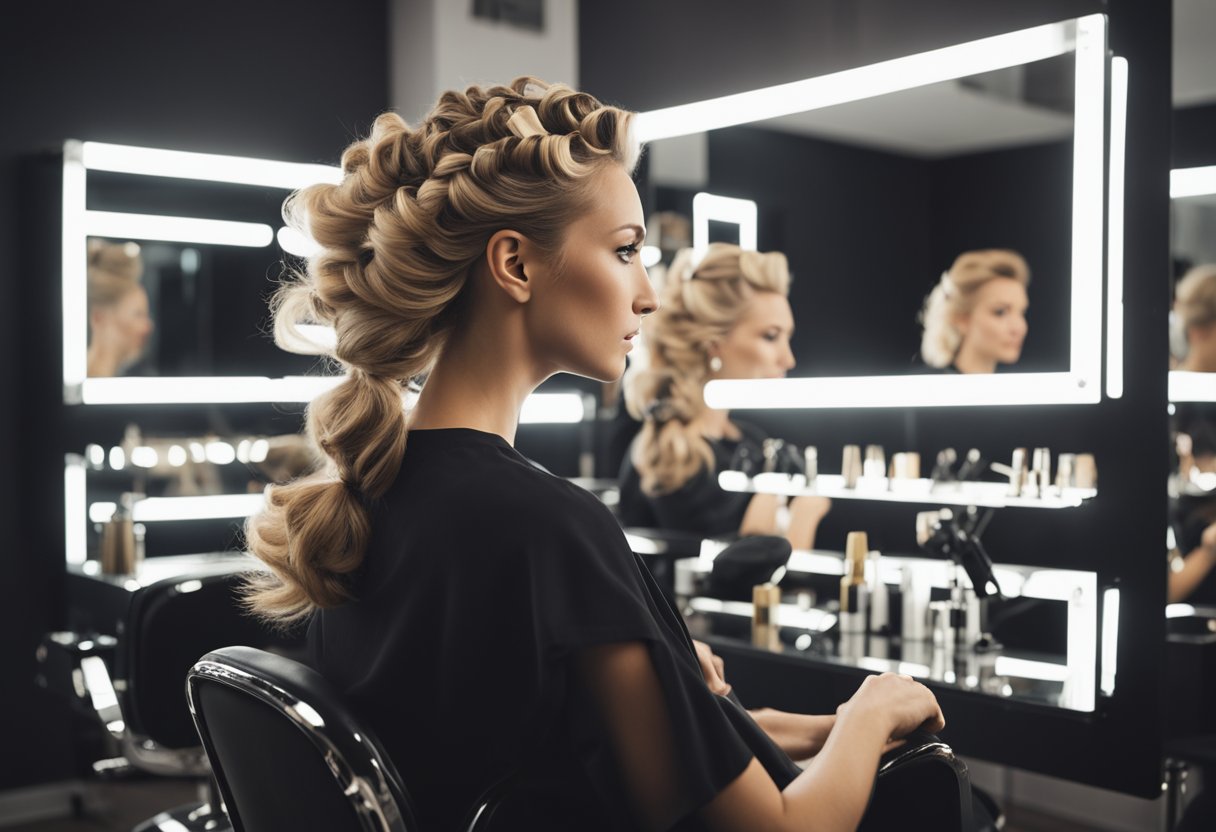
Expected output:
{"points": [[120, 806]]}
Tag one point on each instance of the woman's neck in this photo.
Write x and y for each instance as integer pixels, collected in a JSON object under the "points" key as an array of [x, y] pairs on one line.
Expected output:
{"points": [[970, 361], [716, 424], [465, 390], [102, 362]]}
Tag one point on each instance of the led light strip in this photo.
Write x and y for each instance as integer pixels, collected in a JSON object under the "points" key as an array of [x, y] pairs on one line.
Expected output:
{"points": [[710, 207], [207, 167], [1186, 182], [957, 61], [1114, 243], [177, 229]]}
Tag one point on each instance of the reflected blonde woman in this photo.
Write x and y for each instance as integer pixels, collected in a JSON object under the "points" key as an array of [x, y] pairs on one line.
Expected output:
{"points": [[119, 324], [975, 317], [725, 317]]}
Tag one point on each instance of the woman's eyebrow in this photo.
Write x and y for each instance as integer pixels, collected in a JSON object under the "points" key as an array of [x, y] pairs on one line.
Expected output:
{"points": [[637, 229]]}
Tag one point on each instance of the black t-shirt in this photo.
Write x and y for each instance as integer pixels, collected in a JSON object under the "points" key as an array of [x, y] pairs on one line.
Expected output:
{"points": [[483, 577], [699, 506]]}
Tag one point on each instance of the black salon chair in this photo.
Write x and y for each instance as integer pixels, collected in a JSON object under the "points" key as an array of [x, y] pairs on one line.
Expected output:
{"points": [[288, 754], [135, 688]]}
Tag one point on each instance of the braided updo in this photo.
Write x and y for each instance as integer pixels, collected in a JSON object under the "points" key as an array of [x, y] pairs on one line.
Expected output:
{"points": [[398, 238]]}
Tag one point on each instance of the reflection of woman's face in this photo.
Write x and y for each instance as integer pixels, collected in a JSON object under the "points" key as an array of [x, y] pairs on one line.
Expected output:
{"points": [[758, 346], [125, 325], [996, 327]]}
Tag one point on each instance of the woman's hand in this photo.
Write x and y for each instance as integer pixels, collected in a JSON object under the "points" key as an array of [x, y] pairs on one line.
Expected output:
{"points": [[712, 668], [897, 701]]}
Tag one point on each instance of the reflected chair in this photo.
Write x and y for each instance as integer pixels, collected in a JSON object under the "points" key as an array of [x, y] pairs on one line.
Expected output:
{"points": [[288, 754], [131, 682]]}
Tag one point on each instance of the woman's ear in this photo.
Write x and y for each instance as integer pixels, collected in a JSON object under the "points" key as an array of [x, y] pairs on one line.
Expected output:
{"points": [[507, 257]]}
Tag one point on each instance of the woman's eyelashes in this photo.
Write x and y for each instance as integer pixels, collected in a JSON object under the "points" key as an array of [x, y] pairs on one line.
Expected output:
{"points": [[629, 252]]}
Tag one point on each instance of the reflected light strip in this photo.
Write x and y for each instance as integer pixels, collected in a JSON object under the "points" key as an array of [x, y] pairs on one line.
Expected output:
{"points": [[1186, 182], [553, 408], [1029, 669], [1179, 610], [161, 509], [296, 242], [1192, 387], [177, 229], [707, 207], [1089, 174], [539, 408], [75, 529], [1114, 254], [74, 264], [961, 60], [1110, 640], [210, 167], [894, 391]]}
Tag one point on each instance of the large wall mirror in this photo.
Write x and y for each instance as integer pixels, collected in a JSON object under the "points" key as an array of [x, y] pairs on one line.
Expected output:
{"points": [[873, 180]]}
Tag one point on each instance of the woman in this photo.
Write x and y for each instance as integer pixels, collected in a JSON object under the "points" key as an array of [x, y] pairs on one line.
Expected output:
{"points": [[119, 324], [727, 317], [975, 317], [487, 618]]}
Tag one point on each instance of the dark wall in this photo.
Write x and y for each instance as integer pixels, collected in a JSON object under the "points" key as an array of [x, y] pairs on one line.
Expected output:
{"points": [[688, 51], [253, 78], [1195, 136]]}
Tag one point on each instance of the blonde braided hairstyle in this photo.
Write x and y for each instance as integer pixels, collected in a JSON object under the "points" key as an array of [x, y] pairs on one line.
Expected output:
{"points": [[700, 304], [399, 236]]}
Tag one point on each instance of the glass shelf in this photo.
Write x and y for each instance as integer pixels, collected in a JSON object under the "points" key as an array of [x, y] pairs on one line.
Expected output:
{"points": [[916, 491]]}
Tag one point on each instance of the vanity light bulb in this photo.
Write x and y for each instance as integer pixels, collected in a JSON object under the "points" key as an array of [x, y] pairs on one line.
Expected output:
{"points": [[220, 453], [177, 456], [96, 455], [197, 453], [242, 451], [144, 457], [651, 255], [259, 451], [118, 459]]}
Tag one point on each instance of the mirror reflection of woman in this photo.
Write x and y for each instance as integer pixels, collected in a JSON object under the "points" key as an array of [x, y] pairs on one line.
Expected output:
{"points": [[727, 318], [119, 323], [975, 317]]}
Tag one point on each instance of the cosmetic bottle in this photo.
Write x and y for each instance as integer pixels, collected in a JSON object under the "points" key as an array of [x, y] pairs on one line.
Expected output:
{"points": [[914, 592], [880, 599], [905, 466], [119, 552], [850, 465], [810, 460], [766, 599], [875, 465], [943, 467], [1017, 472], [1085, 471], [854, 592], [1064, 468]]}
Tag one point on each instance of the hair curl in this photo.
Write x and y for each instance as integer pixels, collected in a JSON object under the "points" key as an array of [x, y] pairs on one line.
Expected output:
{"points": [[700, 304], [114, 271], [954, 297], [398, 238], [1195, 296]]}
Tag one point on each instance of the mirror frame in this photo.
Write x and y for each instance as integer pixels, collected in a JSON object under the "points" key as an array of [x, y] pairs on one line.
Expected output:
{"points": [[79, 224], [1081, 384]]}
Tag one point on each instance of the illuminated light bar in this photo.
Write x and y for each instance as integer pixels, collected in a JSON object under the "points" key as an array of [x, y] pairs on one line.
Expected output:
{"points": [[208, 167], [161, 509], [1114, 242], [177, 229], [961, 60], [1192, 387], [1186, 182], [897, 391], [1110, 640], [293, 242], [707, 207]]}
